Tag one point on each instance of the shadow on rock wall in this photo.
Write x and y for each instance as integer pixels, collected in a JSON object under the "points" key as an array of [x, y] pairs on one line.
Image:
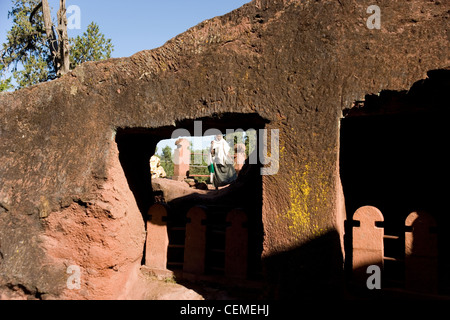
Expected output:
{"points": [[312, 270]]}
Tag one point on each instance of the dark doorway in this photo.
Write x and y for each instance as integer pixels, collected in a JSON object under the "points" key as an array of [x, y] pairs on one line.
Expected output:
{"points": [[394, 157], [136, 147]]}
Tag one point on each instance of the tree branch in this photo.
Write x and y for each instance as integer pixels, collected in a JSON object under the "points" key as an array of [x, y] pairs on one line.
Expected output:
{"points": [[47, 18], [63, 52], [35, 10]]}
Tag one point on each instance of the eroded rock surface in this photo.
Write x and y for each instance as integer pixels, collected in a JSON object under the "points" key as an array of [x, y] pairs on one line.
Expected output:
{"points": [[65, 199]]}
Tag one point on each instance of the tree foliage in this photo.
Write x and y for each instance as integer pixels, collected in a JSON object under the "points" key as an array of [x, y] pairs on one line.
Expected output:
{"points": [[92, 46], [200, 168], [166, 160], [27, 52], [26, 46], [5, 84]]}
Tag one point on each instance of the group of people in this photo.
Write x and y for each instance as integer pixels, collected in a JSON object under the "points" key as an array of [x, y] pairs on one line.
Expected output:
{"points": [[221, 165]]}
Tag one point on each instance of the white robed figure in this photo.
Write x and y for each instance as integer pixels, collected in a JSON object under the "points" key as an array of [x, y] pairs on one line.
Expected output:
{"points": [[223, 171]]}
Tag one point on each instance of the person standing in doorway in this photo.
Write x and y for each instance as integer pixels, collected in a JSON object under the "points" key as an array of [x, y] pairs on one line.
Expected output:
{"points": [[224, 172]]}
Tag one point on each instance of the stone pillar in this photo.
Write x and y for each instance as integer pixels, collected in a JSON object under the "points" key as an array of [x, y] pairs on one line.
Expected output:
{"points": [[195, 243], [236, 245], [181, 160], [421, 253], [157, 238], [368, 247]]}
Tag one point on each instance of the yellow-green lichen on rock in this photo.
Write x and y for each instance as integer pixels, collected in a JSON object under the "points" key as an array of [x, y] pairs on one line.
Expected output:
{"points": [[306, 197]]}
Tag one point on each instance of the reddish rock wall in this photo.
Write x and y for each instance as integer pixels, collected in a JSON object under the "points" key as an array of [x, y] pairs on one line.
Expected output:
{"points": [[298, 64]]}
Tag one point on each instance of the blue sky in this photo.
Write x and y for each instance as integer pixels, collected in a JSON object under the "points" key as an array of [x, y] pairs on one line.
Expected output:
{"points": [[136, 25]]}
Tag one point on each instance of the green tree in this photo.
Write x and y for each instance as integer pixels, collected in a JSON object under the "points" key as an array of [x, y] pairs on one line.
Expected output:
{"points": [[5, 84], [166, 160], [250, 141], [35, 54], [26, 46], [199, 168], [166, 153], [92, 46]]}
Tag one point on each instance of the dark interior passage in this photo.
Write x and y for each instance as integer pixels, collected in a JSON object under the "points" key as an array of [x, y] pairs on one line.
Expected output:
{"points": [[395, 163], [394, 157], [135, 150]]}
